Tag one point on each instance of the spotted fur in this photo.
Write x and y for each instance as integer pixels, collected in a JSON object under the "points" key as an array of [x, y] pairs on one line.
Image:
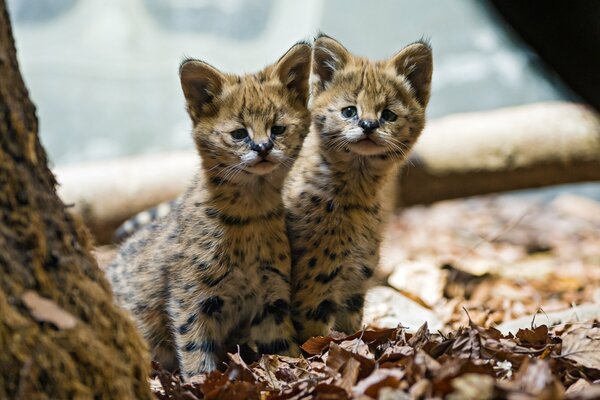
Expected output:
{"points": [[335, 195], [215, 271]]}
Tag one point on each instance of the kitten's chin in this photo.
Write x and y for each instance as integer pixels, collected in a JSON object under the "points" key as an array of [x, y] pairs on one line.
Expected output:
{"points": [[263, 167], [366, 147]]}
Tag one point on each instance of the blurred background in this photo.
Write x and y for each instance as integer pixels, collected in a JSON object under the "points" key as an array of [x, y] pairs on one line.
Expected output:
{"points": [[103, 73]]}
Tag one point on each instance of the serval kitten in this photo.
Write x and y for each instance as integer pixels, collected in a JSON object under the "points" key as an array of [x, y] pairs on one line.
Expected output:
{"points": [[215, 271], [366, 116]]}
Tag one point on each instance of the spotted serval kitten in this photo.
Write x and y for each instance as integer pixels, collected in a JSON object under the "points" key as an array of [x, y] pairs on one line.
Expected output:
{"points": [[366, 116], [216, 270]]}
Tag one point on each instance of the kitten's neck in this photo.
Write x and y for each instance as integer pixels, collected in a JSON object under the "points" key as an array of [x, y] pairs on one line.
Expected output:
{"points": [[353, 177], [250, 195]]}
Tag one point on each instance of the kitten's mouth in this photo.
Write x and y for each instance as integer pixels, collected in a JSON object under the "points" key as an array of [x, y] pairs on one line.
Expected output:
{"points": [[261, 167], [366, 147]]}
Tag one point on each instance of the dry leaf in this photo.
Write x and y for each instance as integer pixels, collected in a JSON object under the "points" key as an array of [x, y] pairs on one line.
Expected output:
{"points": [[582, 346]]}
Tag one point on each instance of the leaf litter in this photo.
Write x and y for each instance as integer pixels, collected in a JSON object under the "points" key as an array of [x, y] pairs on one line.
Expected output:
{"points": [[509, 288]]}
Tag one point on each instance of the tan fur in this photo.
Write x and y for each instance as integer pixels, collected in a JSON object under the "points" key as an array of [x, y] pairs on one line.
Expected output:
{"points": [[334, 195], [216, 270]]}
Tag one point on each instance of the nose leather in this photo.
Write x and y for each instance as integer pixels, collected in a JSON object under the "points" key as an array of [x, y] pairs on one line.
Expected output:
{"points": [[262, 148], [368, 125]]}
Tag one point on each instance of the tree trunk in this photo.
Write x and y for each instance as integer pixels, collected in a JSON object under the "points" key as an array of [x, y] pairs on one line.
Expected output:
{"points": [[61, 336]]}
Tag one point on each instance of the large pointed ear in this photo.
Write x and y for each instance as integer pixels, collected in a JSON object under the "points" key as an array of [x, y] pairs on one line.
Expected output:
{"points": [[293, 70], [415, 62], [201, 84], [329, 56]]}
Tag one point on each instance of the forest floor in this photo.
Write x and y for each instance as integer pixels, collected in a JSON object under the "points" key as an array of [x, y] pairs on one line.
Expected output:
{"points": [[491, 297]]}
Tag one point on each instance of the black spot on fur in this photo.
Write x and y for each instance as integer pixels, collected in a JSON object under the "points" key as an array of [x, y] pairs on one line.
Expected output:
{"points": [[275, 347], [355, 303], [326, 278], [185, 328], [211, 213], [298, 253], [323, 312], [330, 206], [298, 326], [279, 310], [211, 306], [271, 268], [212, 281], [282, 257], [207, 346], [367, 271], [217, 181], [316, 200], [312, 262]]}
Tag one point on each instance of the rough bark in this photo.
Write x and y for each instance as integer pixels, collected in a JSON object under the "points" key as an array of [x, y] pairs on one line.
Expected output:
{"points": [[61, 337], [461, 155]]}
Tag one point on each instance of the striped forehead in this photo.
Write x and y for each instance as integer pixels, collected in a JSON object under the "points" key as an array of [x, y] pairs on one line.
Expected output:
{"points": [[372, 83], [254, 100]]}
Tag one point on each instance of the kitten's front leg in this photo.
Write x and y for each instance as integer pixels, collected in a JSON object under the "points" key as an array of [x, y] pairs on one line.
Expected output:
{"points": [[351, 296], [272, 329], [198, 332], [312, 312]]}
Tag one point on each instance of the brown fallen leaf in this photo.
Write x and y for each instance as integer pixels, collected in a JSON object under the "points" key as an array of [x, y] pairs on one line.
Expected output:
{"points": [[316, 345], [472, 387], [535, 337], [535, 378], [46, 310], [349, 375], [582, 346], [380, 378]]}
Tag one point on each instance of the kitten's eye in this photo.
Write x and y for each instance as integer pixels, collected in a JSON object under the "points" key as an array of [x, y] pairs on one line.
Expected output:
{"points": [[349, 112], [388, 115], [277, 130], [239, 134]]}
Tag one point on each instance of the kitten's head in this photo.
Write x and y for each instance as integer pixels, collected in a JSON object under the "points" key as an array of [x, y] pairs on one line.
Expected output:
{"points": [[249, 126], [373, 110]]}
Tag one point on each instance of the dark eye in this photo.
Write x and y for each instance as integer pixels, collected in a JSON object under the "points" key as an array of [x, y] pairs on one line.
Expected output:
{"points": [[277, 130], [239, 134], [349, 112], [388, 115]]}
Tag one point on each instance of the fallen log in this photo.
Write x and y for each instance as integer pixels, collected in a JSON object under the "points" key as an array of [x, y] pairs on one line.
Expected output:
{"points": [[514, 148], [457, 156]]}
